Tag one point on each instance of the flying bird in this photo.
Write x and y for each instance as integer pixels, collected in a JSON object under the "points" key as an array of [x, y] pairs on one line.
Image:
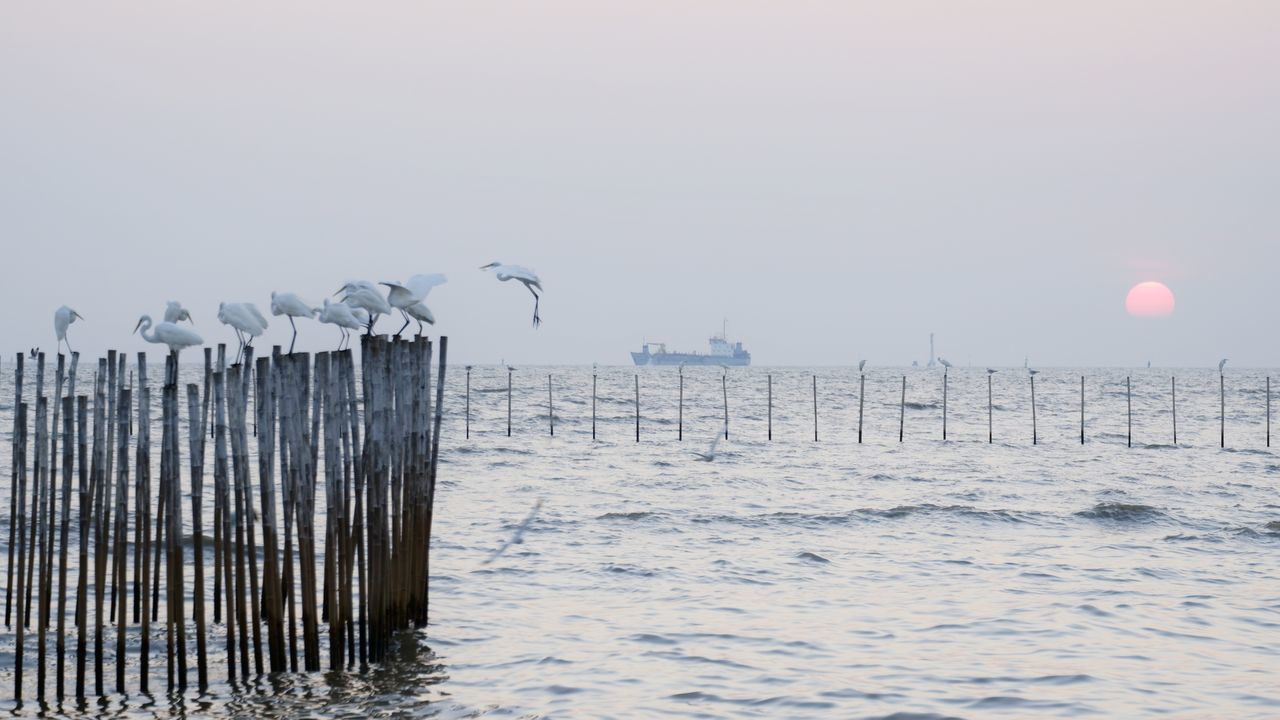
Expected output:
{"points": [[1222, 364], [292, 306], [365, 295], [175, 313], [344, 316], [167, 333], [710, 454], [245, 319], [517, 537], [62, 318], [408, 298], [524, 275]]}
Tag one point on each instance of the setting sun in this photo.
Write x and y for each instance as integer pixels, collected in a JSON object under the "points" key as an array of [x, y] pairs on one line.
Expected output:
{"points": [[1149, 299]]}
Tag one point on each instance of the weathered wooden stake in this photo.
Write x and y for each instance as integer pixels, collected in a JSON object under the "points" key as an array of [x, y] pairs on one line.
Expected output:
{"points": [[902, 410], [815, 409], [1173, 387], [1222, 412], [724, 387], [1081, 409], [1128, 395], [862, 392], [1035, 437], [508, 402], [637, 407], [770, 406], [945, 372], [551, 408]]}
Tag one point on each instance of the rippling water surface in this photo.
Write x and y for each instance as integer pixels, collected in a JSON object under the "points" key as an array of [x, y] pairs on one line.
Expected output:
{"points": [[796, 578]]}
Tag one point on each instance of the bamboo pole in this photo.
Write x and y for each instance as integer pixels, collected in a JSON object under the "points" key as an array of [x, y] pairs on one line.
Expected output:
{"points": [[468, 412], [68, 465], [21, 520], [1268, 411], [14, 509], [680, 425], [1128, 396], [195, 447], [1035, 436], [815, 409], [769, 405], [82, 575], [121, 533], [508, 402], [101, 531], [593, 403], [724, 388], [223, 511], [637, 407], [36, 507], [1081, 409], [1173, 388], [990, 408], [862, 392], [1222, 412], [902, 410], [42, 539], [945, 373], [142, 504], [266, 420], [551, 409]]}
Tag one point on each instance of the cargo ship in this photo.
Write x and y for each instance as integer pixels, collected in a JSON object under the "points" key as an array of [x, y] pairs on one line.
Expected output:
{"points": [[722, 353]]}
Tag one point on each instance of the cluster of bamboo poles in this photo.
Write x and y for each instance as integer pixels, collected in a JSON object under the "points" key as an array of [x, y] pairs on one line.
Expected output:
{"points": [[373, 454], [862, 384]]}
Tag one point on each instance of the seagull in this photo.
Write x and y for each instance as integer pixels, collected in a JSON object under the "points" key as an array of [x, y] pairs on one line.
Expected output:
{"points": [[517, 537], [524, 275], [1222, 364], [293, 306], [410, 295], [175, 313], [945, 363], [245, 319], [365, 295], [1033, 373], [861, 364], [62, 318], [991, 371], [710, 454], [344, 316], [167, 333]]}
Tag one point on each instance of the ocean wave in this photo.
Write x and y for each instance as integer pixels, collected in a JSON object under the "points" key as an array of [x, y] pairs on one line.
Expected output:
{"points": [[1121, 512]]}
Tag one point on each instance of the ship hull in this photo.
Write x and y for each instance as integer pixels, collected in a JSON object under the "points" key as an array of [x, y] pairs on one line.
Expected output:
{"points": [[642, 358]]}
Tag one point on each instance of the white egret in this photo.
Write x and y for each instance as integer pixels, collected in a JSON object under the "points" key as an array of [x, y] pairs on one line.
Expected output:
{"points": [[517, 537], [944, 362], [411, 295], [344, 316], [289, 304], [62, 318], [523, 275], [167, 333], [1222, 364], [861, 364], [365, 295], [1033, 372], [991, 371], [175, 313], [710, 454], [245, 319]]}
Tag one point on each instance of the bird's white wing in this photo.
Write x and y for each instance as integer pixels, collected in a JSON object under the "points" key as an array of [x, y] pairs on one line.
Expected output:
{"points": [[420, 285], [256, 314], [516, 537], [522, 273]]}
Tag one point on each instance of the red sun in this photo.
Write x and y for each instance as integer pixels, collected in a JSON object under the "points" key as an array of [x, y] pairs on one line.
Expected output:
{"points": [[1149, 299]]}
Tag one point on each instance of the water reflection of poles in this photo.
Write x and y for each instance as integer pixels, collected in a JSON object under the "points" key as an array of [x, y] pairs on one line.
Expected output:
{"points": [[990, 372], [862, 392]]}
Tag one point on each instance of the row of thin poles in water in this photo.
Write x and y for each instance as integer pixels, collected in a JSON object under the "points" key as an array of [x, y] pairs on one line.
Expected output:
{"points": [[862, 386], [370, 441]]}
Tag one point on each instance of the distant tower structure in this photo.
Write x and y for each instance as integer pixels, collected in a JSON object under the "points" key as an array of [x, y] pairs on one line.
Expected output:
{"points": [[933, 359]]}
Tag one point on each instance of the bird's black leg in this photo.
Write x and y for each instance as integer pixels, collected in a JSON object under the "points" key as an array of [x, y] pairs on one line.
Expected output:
{"points": [[536, 320], [419, 328], [405, 325], [295, 334]]}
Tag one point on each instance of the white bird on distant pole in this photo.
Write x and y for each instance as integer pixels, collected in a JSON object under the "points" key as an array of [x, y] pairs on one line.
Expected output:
{"points": [[292, 306], [344, 316], [62, 318], [167, 333], [1222, 364], [991, 371], [366, 296], [175, 313], [411, 295], [861, 364], [245, 319], [944, 362], [1033, 372], [524, 275]]}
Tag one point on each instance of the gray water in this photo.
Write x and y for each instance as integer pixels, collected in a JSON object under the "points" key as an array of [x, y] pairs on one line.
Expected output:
{"points": [[830, 579]]}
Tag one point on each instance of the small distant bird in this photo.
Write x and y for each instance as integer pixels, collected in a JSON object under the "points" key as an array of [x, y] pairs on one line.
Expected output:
{"points": [[523, 275], [62, 318], [408, 296], [365, 295], [710, 454], [34, 353], [945, 363], [990, 371], [292, 306], [1033, 372], [511, 368], [175, 313], [245, 319], [344, 316], [167, 333], [517, 538], [861, 364], [1222, 364]]}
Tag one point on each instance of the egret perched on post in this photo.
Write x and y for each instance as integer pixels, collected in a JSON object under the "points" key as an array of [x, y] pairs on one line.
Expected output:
{"points": [[291, 305], [167, 333], [408, 298], [245, 319], [1222, 364], [344, 316], [175, 313], [62, 318], [524, 275], [944, 362], [861, 364], [365, 295]]}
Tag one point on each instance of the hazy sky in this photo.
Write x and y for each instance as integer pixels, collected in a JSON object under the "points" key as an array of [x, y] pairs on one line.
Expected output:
{"points": [[837, 178]]}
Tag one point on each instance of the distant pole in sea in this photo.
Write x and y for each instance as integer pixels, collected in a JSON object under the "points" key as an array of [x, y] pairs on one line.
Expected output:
{"points": [[944, 403], [815, 408], [468, 415], [770, 405], [1173, 387], [508, 402], [1222, 408], [1268, 411], [902, 410], [862, 391], [637, 407], [593, 402], [1035, 438], [1081, 409], [989, 408], [724, 387], [1128, 396], [551, 408], [680, 422]]}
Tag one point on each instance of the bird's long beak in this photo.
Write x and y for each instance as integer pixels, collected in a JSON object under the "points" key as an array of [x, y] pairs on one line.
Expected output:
{"points": [[78, 315], [135, 327], [340, 291]]}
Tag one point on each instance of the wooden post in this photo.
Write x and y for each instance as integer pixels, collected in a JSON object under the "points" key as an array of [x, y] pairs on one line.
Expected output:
{"points": [[1081, 409], [680, 422], [637, 407], [770, 406], [945, 372], [815, 409], [468, 414], [990, 406], [121, 534], [1035, 438], [82, 578], [20, 519], [1128, 395], [40, 497], [68, 464], [14, 511], [551, 408], [1268, 411], [1222, 412], [862, 392], [508, 402], [724, 387], [593, 404], [1173, 387], [902, 410]]}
